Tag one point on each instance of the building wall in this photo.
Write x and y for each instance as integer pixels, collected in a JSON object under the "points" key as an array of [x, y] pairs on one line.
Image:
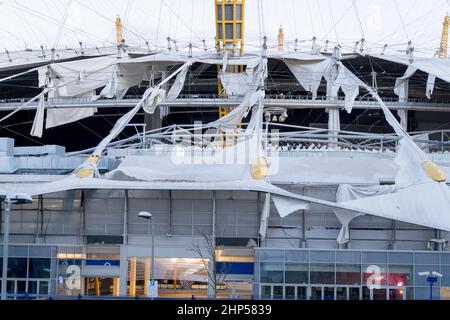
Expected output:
{"points": [[98, 216], [330, 274]]}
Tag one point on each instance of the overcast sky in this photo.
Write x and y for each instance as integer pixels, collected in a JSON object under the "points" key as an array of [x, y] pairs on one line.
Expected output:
{"points": [[30, 23]]}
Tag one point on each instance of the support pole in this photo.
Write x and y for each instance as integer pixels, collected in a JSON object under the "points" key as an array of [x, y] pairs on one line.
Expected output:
{"points": [[5, 249]]}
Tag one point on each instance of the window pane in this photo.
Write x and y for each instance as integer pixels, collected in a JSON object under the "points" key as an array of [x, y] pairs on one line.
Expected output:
{"points": [[229, 12], [427, 258], [238, 31], [32, 287], [39, 268], [219, 26], [374, 257], [266, 292], [219, 11], [296, 273], [446, 278], [238, 12], [272, 273], [322, 256], [41, 252], [322, 274], [17, 268], [422, 280], [297, 256], [353, 257], [21, 286], [445, 258], [302, 293], [374, 274], [272, 255], [289, 293], [18, 251], [229, 31], [348, 274], [400, 276], [278, 292], [43, 287], [400, 258], [423, 293]]}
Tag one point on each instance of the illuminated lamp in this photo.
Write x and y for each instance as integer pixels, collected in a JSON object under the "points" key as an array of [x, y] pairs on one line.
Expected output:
{"points": [[433, 171], [260, 168]]}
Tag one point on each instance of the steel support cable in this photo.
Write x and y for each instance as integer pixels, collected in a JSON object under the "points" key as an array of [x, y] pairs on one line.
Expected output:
{"points": [[311, 18], [63, 23], [401, 20], [159, 25], [55, 21], [181, 20], [359, 19], [111, 20], [333, 21]]}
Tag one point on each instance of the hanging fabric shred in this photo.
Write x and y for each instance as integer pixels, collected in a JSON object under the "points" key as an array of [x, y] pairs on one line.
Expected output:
{"points": [[38, 123]]}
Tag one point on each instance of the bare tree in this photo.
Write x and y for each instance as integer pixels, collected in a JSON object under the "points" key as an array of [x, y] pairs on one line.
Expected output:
{"points": [[209, 252]]}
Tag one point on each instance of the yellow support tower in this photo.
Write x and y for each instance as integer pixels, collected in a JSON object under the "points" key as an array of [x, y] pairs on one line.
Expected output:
{"points": [[230, 24], [443, 50], [281, 39], [119, 31]]}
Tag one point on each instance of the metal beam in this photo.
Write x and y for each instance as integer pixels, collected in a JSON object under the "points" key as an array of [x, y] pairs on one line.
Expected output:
{"points": [[214, 103]]}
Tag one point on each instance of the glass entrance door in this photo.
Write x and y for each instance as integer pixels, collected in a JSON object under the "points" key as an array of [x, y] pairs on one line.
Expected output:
{"points": [[286, 292], [347, 293], [322, 293], [102, 286], [398, 293]]}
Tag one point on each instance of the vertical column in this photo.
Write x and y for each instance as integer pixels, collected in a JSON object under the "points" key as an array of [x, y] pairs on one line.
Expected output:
{"points": [[146, 274], [154, 121], [403, 114], [116, 287], [123, 271], [133, 264], [125, 219], [211, 284], [403, 95], [334, 119]]}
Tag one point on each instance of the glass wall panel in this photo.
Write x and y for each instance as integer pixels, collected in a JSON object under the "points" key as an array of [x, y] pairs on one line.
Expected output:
{"points": [[374, 257], [322, 256], [17, 267], [272, 273], [296, 273], [229, 12], [39, 268], [302, 293], [400, 276], [375, 274], [348, 274], [422, 280], [229, 31], [297, 256], [445, 258], [219, 12], [289, 293], [423, 293], [427, 258], [238, 12], [272, 255], [401, 258], [238, 31], [322, 273], [348, 257], [266, 292], [445, 270]]}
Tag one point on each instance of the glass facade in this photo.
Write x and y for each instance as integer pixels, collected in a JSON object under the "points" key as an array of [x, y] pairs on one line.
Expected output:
{"points": [[30, 271], [307, 274]]}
